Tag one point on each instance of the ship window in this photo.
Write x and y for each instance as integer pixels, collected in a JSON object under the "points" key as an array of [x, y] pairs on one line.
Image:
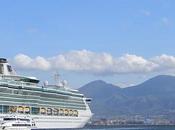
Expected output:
{"points": [[1, 69], [9, 68], [1, 109], [35, 110], [9, 119], [5, 109], [21, 125]]}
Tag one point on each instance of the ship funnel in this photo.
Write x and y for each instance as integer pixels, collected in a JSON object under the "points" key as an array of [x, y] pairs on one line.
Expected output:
{"points": [[5, 67]]}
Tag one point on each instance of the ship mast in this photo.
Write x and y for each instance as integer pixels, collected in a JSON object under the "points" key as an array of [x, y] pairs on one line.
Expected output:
{"points": [[57, 78]]}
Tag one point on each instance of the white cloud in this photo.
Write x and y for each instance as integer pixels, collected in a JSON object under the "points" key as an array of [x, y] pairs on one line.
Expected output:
{"points": [[82, 61], [96, 63], [133, 64], [165, 62], [25, 62]]}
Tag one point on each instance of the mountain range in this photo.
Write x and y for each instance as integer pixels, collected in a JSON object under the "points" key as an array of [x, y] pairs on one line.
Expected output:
{"points": [[155, 96]]}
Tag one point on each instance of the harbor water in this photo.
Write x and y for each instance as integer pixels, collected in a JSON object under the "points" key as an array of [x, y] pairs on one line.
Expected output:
{"points": [[134, 128]]}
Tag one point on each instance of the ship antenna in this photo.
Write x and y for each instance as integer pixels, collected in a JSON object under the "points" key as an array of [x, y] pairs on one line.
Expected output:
{"points": [[57, 80]]}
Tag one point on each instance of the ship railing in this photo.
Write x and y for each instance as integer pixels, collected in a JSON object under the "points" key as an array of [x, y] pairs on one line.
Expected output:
{"points": [[17, 83], [11, 79]]}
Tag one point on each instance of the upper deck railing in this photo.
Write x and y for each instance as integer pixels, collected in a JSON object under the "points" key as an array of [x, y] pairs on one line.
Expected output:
{"points": [[15, 81]]}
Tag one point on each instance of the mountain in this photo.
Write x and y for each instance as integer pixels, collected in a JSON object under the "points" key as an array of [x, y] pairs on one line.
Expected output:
{"points": [[155, 96], [158, 85], [96, 89], [101, 93]]}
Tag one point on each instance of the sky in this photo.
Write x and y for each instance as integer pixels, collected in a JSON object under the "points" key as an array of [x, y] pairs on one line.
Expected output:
{"points": [[123, 42]]}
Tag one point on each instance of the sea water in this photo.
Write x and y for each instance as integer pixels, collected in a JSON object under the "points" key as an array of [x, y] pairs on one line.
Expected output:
{"points": [[135, 128], [126, 128]]}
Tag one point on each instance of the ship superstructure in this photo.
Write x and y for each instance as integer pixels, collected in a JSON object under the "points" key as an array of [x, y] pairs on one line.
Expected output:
{"points": [[49, 106]]}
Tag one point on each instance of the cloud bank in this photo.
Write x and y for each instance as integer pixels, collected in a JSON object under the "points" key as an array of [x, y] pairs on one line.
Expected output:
{"points": [[96, 63]]}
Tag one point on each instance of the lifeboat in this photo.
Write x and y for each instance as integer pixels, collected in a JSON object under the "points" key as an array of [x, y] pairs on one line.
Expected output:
{"points": [[13, 109], [66, 112], [55, 111], [75, 113], [70, 112], [27, 110], [43, 110], [49, 111], [20, 109], [61, 112]]}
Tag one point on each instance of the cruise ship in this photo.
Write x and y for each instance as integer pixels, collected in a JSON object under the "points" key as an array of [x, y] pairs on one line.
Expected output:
{"points": [[26, 104]]}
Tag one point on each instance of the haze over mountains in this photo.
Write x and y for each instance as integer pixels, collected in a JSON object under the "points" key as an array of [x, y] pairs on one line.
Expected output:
{"points": [[155, 96]]}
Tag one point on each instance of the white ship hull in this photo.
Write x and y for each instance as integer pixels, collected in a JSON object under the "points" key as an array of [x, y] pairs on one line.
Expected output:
{"points": [[52, 122], [64, 122], [55, 122]]}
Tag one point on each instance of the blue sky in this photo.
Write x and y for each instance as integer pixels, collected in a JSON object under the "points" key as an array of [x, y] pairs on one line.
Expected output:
{"points": [[116, 27]]}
